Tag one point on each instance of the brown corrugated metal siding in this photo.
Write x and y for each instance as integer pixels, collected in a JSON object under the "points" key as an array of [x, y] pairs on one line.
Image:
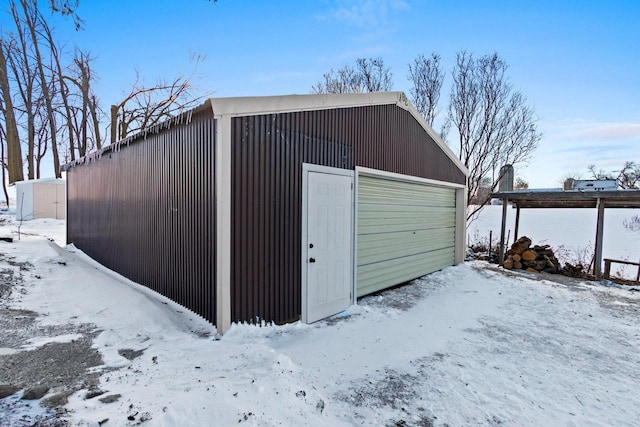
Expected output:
{"points": [[389, 138], [146, 209], [267, 156]]}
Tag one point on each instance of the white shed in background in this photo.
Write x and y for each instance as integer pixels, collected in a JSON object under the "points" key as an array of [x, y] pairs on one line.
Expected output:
{"points": [[40, 198]]}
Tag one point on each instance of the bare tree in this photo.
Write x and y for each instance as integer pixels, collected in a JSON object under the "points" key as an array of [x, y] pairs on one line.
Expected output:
{"points": [[67, 8], [627, 178], [521, 184], [83, 119], [65, 109], [426, 77], [44, 83], [567, 178], [47, 101], [24, 74], [345, 80], [369, 75], [3, 165], [483, 191], [493, 122], [80, 110], [11, 134], [599, 173], [375, 76], [34, 21], [68, 112], [41, 140], [147, 106]]}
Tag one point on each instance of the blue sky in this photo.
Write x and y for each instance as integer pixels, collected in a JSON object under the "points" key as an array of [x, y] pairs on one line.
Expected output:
{"points": [[576, 61]]}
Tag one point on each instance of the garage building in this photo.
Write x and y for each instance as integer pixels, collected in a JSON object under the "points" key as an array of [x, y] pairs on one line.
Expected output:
{"points": [[273, 208]]}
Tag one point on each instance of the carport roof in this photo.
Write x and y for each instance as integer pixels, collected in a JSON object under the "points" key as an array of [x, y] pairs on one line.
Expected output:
{"points": [[571, 198], [567, 199]]}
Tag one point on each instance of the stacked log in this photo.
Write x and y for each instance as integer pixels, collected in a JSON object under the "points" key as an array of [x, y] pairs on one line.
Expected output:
{"points": [[573, 270], [523, 256]]}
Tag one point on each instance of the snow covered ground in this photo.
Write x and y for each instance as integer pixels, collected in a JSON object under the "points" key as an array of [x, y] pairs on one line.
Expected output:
{"points": [[468, 345]]}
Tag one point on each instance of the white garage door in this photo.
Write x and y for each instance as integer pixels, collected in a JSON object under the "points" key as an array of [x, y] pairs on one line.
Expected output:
{"points": [[405, 230]]}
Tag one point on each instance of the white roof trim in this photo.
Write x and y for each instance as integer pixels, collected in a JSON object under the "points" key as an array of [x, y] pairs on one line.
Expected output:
{"points": [[59, 181], [361, 170], [254, 105]]}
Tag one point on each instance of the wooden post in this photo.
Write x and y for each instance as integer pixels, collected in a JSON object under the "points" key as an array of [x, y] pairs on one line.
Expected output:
{"points": [[502, 231], [607, 268], [490, 241], [114, 123], [599, 235], [515, 231]]}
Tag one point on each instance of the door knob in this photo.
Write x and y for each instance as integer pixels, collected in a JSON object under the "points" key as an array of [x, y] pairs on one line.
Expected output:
{"points": [[312, 260]]}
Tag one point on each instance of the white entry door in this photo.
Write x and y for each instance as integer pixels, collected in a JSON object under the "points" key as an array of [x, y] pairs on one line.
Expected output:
{"points": [[329, 237]]}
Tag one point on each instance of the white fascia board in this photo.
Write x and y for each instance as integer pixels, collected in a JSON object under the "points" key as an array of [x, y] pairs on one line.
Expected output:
{"points": [[461, 225], [400, 177], [305, 245], [254, 105], [223, 223]]}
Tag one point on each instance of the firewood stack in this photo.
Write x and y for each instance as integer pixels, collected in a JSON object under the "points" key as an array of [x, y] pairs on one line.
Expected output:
{"points": [[574, 270], [523, 256]]}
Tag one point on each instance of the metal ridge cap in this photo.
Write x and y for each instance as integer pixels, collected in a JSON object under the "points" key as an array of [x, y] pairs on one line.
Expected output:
{"points": [[254, 105]]}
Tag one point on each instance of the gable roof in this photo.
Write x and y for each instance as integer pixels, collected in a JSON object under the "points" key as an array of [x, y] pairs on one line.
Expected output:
{"points": [[258, 105]]}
